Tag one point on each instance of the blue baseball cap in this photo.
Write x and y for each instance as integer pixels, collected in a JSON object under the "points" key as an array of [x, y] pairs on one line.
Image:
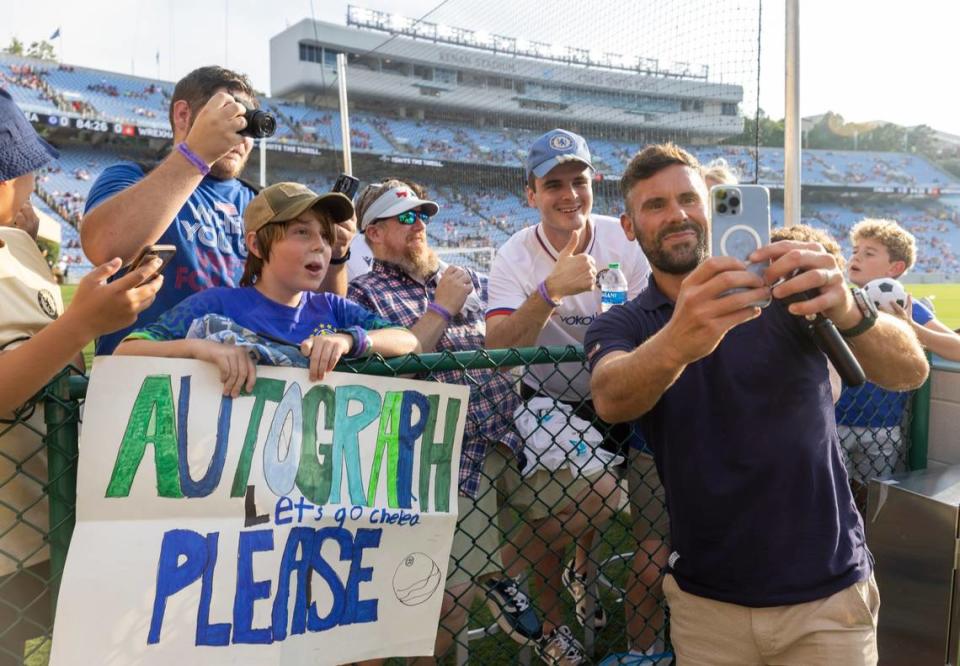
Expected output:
{"points": [[556, 147], [21, 148]]}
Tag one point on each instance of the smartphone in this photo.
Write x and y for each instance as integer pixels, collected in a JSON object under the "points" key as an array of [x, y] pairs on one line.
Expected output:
{"points": [[347, 185], [165, 252], [740, 224]]}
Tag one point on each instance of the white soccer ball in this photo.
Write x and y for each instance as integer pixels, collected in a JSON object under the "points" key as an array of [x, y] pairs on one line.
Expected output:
{"points": [[886, 291]]}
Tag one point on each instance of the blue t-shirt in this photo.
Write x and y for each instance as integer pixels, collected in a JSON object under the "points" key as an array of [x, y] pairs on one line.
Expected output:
{"points": [[746, 446], [870, 406], [207, 232], [315, 315]]}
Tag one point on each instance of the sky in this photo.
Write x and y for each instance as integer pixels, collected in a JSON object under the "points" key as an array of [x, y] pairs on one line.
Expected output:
{"points": [[858, 58]]}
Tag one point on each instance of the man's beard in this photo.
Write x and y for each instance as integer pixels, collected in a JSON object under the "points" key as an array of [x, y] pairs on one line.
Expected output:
{"points": [[419, 263], [682, 258], [221, 170]]}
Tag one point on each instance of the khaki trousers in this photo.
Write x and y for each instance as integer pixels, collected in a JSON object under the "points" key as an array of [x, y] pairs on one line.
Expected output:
{"points": [[839, 629]]}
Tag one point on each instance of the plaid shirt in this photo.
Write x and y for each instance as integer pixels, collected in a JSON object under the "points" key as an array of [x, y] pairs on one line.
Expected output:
{"points": [[388, 291]]}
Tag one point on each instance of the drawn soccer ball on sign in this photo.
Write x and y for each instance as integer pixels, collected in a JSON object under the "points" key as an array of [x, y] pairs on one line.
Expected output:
{"points": [[884, 291], [416, 579]]}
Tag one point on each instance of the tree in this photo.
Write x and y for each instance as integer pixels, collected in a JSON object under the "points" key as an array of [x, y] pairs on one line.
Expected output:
{"points": [[827, 134], [887, 138], [952, 165], [42, 50], [16, 47], [770, 132], [921, 139]]}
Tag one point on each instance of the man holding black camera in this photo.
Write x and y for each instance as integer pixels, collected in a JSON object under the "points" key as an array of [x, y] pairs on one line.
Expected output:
{"points": [[769, 561], [192, 199]]}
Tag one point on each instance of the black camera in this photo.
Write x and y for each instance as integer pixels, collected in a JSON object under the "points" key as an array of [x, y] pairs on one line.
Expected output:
{"points": [[260, 124]]}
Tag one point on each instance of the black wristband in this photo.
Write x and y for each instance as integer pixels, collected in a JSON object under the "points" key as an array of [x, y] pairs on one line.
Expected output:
{"points": [[342, 260]]}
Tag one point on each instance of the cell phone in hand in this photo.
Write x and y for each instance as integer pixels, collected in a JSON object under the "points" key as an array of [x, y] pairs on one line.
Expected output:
{"points": [[740, 224], [347, 185], [164, 252]]}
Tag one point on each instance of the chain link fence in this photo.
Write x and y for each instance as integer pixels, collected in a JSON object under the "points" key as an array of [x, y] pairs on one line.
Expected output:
{"points": [[562, 546]]}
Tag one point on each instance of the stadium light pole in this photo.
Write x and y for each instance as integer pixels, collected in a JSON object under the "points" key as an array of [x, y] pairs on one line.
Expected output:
{"points": [[791, 123], [263, 162], [344, 113]]}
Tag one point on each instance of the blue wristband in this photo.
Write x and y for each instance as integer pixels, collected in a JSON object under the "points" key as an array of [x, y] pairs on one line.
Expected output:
{"points": [[441, 311], [542, 290], [361, 341]]}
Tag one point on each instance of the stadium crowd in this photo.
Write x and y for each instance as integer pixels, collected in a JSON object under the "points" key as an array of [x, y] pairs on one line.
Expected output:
{"points": [[656, 411]]}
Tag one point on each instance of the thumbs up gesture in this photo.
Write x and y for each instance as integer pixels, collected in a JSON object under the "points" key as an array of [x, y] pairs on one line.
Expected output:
{"points": [[573, 273]]}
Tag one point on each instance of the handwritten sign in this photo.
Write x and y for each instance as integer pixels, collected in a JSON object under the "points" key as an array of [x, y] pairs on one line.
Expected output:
{"points": [[300, 524]]}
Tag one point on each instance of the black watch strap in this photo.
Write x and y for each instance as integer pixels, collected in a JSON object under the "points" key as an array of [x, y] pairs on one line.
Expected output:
{"points": [[341, 260], [867, 309]]}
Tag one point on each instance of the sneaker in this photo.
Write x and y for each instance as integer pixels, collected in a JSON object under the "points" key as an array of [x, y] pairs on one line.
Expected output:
{"points": [[576, 584], [637, 659], [512, 610], [560, 648], [655, 655]]}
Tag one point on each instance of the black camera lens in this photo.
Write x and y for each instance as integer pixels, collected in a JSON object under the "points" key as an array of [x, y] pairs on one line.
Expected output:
{"points": [[722, 208], [734, 201], [721, 195], [260, 124]]}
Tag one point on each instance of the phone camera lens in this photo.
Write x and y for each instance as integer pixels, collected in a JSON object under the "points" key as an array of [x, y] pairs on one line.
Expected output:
{"points": [[722, 208], [721, 195], [735, 201]]}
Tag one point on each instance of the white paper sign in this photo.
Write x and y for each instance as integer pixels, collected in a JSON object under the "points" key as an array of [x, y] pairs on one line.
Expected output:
{"points": [[302, 524]]}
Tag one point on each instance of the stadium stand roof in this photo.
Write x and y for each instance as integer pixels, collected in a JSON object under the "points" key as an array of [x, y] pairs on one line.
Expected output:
{"points": [[414, 73]]}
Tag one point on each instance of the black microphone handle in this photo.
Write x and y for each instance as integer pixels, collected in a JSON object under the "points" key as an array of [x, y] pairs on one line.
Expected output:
{"points": [[832, 344]]}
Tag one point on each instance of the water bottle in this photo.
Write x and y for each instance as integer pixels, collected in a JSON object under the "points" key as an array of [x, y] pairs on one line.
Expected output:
{"points": [[613, 287]]}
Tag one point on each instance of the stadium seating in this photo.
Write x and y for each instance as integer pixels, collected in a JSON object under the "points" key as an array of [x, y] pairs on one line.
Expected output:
{"points": [[486, 217], [474, 216], [43, 86], [114, 97], [27, 84]]}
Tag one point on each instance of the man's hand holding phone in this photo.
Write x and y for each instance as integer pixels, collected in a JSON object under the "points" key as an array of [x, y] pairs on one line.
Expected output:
{"points": [[162, 253], [806, 267], [100, 307], [717, 295]]}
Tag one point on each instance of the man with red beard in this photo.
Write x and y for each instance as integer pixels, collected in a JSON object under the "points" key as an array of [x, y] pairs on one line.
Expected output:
{"points": [[444, 306], [192, 199], [769, 563]]}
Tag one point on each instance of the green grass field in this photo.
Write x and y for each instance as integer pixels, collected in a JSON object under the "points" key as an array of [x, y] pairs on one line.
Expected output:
{"points": [[67, 291], [946, 300]]}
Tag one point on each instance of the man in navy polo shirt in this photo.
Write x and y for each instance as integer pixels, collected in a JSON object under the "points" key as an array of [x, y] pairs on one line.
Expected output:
{"points": [[769, 562]]}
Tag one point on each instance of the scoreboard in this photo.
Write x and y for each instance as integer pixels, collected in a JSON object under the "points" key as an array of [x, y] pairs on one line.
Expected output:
{"points": [[97, 125]]}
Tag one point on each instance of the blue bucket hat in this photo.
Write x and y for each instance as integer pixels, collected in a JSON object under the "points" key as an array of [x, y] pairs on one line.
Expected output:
{"points": [[21, 148], [556, 147]]}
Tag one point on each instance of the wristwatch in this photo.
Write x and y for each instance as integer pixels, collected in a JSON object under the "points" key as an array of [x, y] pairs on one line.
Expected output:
{"points": [[339, 261], [867, 309]]}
